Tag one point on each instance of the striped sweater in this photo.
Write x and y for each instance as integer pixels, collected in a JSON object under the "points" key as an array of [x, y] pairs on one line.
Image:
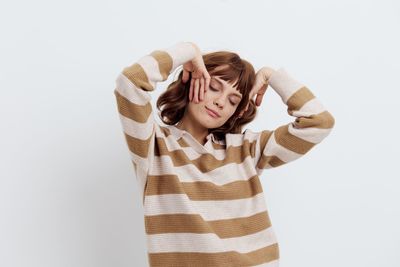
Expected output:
{"points": [[204, 204]]}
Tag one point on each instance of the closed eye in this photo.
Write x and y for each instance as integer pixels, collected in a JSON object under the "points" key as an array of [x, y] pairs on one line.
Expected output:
{"points": [[232, 103]]}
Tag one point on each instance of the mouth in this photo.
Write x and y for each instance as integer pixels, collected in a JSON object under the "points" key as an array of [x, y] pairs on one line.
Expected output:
{"points": [[212, 113]]}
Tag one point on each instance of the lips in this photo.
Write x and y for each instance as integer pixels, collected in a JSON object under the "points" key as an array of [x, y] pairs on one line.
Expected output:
{"points": [[214, 112]]}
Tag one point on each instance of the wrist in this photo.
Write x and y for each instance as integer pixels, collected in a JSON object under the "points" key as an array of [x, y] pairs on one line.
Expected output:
{"points": [[181, 53], [197, 49], [267, 73]]}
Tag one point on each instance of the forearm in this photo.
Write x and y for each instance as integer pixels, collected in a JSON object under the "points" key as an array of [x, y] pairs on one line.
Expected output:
{"points": [[158, 65], [133, 100], [301, 101], [291, 141]]}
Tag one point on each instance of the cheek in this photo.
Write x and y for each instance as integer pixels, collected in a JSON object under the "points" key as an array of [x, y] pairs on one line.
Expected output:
{"points": [[194, 108]]}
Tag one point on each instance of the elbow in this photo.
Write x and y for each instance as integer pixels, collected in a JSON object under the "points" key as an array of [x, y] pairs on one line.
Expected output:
{"points": [[329, 120]]}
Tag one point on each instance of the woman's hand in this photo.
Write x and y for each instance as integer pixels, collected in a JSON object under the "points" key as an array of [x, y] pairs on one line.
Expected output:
{"points": [[260, 86], [200, 77]]}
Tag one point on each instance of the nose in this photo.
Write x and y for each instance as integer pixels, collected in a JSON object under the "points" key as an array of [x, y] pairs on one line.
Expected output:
{"points": [[219, 102]]}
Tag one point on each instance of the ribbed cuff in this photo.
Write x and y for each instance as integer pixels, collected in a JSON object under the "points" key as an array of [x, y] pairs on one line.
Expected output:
{"points": [[181, 53]]}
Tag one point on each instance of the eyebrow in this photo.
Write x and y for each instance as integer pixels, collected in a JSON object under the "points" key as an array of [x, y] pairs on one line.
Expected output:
{"points": [[218, 81]]}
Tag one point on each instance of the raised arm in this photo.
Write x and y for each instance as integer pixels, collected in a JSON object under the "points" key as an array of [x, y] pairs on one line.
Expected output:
{"points": [[133, 99], [291, 141]]}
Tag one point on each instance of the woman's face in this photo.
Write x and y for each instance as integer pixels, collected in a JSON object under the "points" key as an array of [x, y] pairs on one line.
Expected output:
{"points": [[221, 97]]}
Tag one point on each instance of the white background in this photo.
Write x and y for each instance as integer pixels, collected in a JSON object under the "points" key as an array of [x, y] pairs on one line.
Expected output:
{"points": [[68, 194]]}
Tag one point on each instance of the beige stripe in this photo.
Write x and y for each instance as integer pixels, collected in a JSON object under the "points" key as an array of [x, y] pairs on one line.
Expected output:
{"points": [[299, 98], [266, 162], [291, 142], [222, 259], [194, 223], [189, 173], [312, 134], [264, 137], [138, 146], [133, 111], [183, 143], [170, 184], [206, 162], [164, 62], [210, 210], [323, 120], [136, 74], [137, 113]]}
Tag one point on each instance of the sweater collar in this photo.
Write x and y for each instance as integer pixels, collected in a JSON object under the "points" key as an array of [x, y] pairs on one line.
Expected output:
{"points": [[178, 133]]}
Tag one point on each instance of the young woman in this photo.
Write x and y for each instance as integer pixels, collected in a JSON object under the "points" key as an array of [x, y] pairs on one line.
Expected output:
{"points": [[199, 173]]}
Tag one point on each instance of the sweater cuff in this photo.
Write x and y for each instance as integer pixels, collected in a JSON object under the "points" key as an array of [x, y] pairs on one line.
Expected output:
{"points": [[284, 84], [181, 53]]}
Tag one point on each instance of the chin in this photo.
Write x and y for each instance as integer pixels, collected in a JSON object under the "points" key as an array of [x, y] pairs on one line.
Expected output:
{"points": [[210, 122]]}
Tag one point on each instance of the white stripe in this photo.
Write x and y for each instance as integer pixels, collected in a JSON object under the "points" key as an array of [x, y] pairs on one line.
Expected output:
{"points": [[172, 145], [272, 148], [284, 84], [238, 139], [140, 170], [142, 162], [180, 53], [190, 173], [208, 209], [220, 154], [311, 107], [128, 90], [209, 243], [310, 134], [136, 129], [192, 154], [151, 68]]}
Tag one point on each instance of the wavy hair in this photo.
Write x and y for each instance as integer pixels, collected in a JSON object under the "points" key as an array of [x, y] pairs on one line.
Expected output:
{"points": [[236, 71]]}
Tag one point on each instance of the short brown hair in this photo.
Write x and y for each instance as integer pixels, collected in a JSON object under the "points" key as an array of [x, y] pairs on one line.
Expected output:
{"points": [[172, 103]]}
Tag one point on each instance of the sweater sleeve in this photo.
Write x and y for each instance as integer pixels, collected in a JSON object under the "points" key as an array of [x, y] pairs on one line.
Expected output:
{"points": [[133, 85], [290, 141]]}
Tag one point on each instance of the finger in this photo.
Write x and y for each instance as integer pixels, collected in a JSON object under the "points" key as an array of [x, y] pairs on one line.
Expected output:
{"points": [[196, 91], [185, 76], [258, 100], [207, 81], [201, 88], [260, 94], [191, 89]]}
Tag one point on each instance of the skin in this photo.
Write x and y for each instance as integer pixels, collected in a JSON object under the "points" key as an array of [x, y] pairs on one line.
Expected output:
{"points": [[215, 93], [221, 97]]}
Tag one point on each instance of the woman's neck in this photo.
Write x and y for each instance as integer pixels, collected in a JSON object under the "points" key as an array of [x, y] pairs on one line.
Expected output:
{"points": [[199, 133]]}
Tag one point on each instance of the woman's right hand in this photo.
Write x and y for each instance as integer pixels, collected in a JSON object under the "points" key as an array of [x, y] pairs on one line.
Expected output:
{"points": [[259, 87], [200, 77]]}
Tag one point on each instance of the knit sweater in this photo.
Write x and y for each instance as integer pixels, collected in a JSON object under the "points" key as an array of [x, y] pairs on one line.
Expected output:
{"points": [[204, 204]]}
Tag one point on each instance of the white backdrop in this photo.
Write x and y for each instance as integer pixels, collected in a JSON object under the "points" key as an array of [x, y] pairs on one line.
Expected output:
{"points": [[68, 194]]}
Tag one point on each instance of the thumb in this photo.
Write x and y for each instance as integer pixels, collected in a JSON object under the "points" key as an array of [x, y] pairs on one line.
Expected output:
{"points": [[260, 94]]}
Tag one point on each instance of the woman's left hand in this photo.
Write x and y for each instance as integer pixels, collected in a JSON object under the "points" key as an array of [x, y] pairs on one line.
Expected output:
{"points": [[260, 86]]}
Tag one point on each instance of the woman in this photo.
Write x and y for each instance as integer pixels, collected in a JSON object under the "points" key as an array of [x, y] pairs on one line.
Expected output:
{"points": [[199, 174]]}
